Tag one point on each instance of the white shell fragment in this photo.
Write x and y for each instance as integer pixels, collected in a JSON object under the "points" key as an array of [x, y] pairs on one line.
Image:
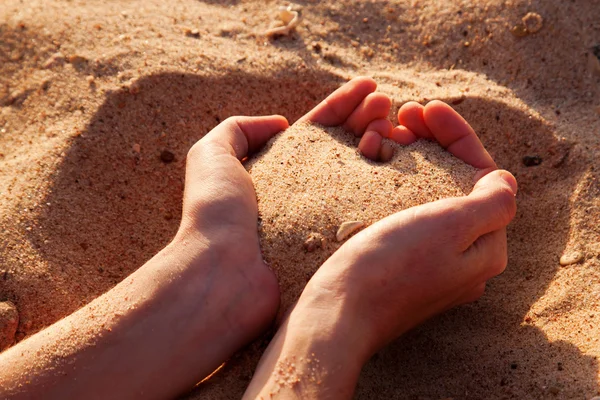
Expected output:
{"points": [[347, 228], [289, 18], [571, 258]]}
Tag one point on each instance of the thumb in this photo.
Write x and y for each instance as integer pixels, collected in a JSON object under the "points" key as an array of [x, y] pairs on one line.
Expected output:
{"points": [[493, 202]]}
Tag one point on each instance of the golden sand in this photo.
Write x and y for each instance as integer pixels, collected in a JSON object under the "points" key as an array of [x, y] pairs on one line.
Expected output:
{"points": [[92, 93], [310, 180]]}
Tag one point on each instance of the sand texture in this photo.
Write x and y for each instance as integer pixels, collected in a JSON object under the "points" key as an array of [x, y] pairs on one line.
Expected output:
{"points": [[92, 92], [310, 180]]}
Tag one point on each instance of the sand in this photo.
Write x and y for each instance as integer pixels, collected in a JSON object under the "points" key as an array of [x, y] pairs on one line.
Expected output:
{"points": [[310, 180], [92, 92]]}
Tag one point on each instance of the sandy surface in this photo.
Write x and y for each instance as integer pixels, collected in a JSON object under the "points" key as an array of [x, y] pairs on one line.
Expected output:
{"points": [[92, 92], [310, 180]]}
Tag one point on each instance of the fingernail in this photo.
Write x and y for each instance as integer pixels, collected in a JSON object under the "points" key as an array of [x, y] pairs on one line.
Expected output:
{"points": [[510, 179]]}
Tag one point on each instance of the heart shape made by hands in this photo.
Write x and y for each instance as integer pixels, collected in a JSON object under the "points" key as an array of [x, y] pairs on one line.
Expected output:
{"points": [[311, 180]]}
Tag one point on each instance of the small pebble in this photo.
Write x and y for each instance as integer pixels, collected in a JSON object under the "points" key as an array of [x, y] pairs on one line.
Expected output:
{"points": [[90, 79], [347, 228], [192, 33], [313, 242], [76, 59], [167, 157], [533, 22], [571, 258], [137, 148], [532, 161], [554, 390]]}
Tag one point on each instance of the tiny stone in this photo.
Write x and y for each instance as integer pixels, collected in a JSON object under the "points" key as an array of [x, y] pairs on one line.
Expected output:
{"points": [[76, 59], [560, 366], [347, 228], [192, 33], [137, 148], [533, 22], [513, 365], [571, 258], [90, 79], [167, 157], [554, 390], [316, 46], [313, 242], [532, 161]]}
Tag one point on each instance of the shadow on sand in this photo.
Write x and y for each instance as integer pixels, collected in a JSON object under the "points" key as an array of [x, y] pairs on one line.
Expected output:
{"points": [[113, 207]]}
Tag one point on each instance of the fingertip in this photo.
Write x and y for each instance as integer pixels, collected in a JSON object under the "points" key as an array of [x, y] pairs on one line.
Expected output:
{"points": [[499, 177], [410, 115], [402, 135], [386, 152], [365, 81], [374, 106], [370, 144], [510, 180], [381, 126], [281, 120]]}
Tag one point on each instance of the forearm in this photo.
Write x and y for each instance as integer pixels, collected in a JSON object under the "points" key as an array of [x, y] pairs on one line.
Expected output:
{"points": [[316, 354], [121, 343]]}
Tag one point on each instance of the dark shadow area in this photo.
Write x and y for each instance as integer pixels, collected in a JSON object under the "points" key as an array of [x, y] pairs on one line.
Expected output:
{"points": [[115, 202]]}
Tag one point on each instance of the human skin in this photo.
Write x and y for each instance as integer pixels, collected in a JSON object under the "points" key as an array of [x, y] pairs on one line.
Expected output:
{"points": [[395, 274], [207, 294]]}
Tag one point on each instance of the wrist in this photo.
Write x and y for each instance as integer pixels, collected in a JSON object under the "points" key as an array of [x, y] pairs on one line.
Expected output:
{"points": [[318, 353]]}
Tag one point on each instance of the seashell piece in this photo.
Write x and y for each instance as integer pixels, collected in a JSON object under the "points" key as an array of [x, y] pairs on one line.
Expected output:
{"points": [[286, 15], [347, 228], [571, 258], [290, 18]]}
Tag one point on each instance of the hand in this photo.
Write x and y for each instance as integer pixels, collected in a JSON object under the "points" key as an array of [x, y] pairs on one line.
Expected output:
{"points": [[396, 273], [427, 259]]}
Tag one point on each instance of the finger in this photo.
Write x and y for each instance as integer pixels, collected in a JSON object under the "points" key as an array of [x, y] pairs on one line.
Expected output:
{"points": [[489, 207], [374, 106], [339, 105], [381, 126], [488, 254], [403, 135], [456, 135], [410, 115], [245, 135], [370, 144]]}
